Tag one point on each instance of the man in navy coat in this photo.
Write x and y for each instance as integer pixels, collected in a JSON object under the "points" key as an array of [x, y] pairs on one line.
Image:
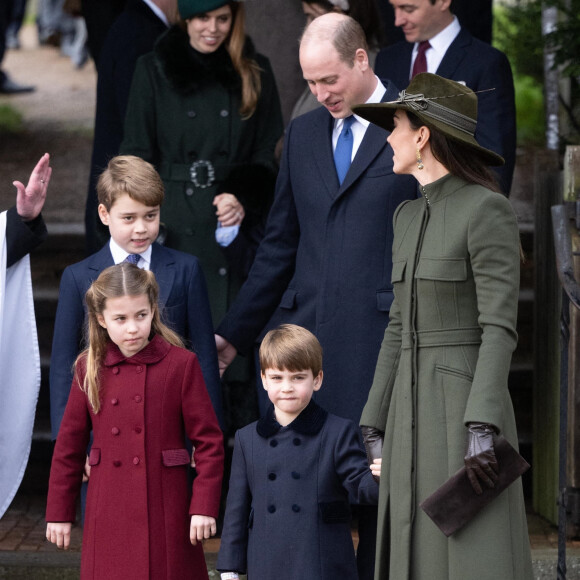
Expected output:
{"points": [[133, 34], [325, 260], [455, 54]]}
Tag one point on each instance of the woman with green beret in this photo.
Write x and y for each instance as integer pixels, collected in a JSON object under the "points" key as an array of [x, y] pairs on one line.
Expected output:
{"points": [[440, 392], [204, 109]]}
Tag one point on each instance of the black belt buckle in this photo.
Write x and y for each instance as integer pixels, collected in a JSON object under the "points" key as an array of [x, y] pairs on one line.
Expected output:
{"points": [[202, 173]]}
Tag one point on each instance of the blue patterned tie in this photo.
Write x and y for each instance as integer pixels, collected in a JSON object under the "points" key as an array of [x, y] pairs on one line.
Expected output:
{"points": [[133, 258], [343, 151]]}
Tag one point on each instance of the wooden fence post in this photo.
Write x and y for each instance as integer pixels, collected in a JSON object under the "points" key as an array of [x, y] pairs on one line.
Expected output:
{"points": [[547, 305]]}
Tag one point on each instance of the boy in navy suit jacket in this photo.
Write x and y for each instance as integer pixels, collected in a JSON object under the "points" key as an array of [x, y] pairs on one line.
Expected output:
{"points": [[130, 195], [294, 473]]}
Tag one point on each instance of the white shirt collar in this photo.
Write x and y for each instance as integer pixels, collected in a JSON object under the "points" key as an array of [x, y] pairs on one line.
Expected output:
{"points": [[158, 12], [120, 255], [376, 97], [439, 45]]}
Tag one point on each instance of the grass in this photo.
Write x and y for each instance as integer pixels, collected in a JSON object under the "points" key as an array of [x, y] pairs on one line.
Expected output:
{"points": [[10, 120]]}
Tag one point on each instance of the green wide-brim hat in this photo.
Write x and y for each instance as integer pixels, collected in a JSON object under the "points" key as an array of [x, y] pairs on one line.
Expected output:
{"points": [[189, 8], [443, 104]]}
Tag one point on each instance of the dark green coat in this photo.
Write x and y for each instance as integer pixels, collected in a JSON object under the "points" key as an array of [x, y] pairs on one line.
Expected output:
{"points": [[184, 110], [444, 362]]}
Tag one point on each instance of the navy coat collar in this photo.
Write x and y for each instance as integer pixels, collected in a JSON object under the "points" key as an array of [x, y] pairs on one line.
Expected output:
{"points": [[309, 422]]}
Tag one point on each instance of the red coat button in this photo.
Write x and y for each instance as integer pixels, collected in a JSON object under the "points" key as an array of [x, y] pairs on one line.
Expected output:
{"points": [[115, 431], [115, 370], [136, 460], [139, 369], [114, 401], [138, 398], [117, 463], [138, 429]]}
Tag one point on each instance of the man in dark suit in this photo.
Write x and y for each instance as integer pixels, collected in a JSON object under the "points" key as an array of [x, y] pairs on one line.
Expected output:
{"points": [[325, 260], [133, 34], [455, 54]]}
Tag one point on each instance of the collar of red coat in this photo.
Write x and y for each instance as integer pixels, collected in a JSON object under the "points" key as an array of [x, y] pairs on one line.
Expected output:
{"points": [[156, 350], [309, 422]]}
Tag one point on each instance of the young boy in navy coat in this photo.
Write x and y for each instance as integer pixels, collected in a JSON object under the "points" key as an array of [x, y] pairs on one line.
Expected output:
{"points": [[130, 195], [294, 473]]}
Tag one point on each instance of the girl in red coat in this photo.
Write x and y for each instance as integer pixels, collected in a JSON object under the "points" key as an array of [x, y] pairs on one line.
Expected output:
{"points": [[141, 394]]}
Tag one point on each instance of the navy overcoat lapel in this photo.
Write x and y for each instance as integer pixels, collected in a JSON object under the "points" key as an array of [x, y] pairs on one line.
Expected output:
{"points": [[374, 141], [163, 266], [454, 55]]}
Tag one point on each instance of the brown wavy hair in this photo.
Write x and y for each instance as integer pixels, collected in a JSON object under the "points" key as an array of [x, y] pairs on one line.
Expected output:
{"points": [[124, 279], [247, 68]]}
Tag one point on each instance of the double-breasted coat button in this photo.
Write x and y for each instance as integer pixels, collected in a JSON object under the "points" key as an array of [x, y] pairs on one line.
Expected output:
{"points": [[295, 508], [115, 370], [191, 114], [138, 398], [272, 476], [117, 463], [136, 461], [138, 430], [189, 191], [297, 441], [272, 509], [224, 113], [114, 401], [139, 369], [222, 271], [295, 475], [273, 443], [115, 430]]}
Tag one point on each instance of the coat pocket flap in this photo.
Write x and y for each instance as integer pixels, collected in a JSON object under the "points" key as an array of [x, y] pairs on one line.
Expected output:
{"points": [[288, 299], [447, 270], [334, 512], [174, 457], [384, 300], [94, 456], [398, 271]]}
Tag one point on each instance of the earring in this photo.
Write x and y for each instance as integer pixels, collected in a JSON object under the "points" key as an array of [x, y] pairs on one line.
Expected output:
{"points": [[419, 160]]}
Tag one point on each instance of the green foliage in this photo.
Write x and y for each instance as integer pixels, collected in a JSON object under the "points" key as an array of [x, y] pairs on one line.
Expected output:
{"points": [[518, 33], [530, 116], [10, 120], [565, 40]]}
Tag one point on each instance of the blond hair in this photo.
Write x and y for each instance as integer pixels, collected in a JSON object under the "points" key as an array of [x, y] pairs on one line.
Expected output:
{"points": [[133, 176], [292, 348], [124, 279]]}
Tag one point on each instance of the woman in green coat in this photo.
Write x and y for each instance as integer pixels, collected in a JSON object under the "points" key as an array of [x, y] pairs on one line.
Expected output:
{"points": [[204, 109], [440, 389]]}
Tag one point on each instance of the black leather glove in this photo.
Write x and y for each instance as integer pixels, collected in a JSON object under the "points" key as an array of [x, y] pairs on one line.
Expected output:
{"points": [[480, 460], [373, 440]]}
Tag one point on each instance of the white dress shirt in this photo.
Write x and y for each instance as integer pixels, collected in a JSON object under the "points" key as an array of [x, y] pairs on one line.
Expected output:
{"points": [[359, 125], [120, 255], [439, 45]]}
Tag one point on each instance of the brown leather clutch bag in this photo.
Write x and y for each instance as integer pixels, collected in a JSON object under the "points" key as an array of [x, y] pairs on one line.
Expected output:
{"points": [[455, 503]]}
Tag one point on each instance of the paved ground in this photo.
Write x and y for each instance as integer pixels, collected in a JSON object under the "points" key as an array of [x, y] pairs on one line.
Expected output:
{"points": [[58, 118]]}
